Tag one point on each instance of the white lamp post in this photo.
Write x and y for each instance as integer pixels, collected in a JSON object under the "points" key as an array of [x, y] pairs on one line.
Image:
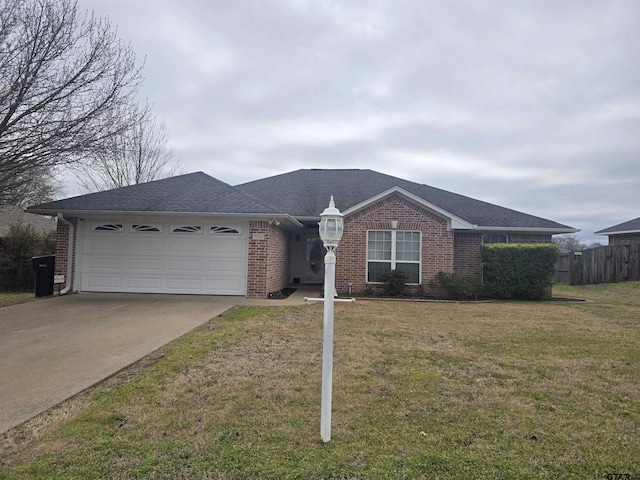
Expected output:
{"points": [[331, 225]]}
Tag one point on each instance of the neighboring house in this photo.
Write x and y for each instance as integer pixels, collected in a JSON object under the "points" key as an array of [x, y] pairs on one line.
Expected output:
{"points": [[624, 233], [13, 216], [194, 234]]}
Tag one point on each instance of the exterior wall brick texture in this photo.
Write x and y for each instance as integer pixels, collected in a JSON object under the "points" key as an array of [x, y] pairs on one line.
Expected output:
{"points": [[62, 251], [268, 269], [624, 239]]}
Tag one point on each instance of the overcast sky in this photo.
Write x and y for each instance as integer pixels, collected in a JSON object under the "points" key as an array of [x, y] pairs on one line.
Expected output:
{"points": [[533, 105]]}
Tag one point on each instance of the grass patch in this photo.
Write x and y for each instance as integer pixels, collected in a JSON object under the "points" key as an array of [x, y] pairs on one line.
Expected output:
{"points": [[421, 390], [14, 298]]}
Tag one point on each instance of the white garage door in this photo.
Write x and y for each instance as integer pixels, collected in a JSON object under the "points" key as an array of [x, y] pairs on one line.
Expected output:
{"points": [[164, 257]]}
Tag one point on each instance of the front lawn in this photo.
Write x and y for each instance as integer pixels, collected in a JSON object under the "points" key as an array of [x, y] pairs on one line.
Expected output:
{"points": [[421, 390], [14, 298]]}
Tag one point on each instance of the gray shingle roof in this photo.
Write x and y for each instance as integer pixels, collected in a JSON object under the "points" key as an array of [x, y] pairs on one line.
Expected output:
{"points": [[630, 226], [191, 193], [305, 193]]}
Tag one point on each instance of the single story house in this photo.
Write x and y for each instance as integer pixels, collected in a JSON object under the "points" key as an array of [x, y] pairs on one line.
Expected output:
{"points": [[194, 234], [624, 233]]}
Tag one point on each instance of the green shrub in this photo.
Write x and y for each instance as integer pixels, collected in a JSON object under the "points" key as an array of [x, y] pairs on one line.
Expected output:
{"points": [[518, 271], [395, 282], [457, 286], [16, 251]]}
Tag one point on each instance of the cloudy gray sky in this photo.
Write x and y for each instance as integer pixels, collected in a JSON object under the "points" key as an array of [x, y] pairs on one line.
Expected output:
{"points": [[531, 105]]}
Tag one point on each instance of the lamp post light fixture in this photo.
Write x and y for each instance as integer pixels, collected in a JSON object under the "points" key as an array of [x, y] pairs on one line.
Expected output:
{"points": [[331, 228]]}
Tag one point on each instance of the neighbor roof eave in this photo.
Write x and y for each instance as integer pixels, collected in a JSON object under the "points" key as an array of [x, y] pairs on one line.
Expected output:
{"points": [[619, 232], [553, 231]]}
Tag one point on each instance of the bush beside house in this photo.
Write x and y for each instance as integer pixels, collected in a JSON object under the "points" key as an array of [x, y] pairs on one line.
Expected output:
{"points": [[16, 250], [519, 271]]}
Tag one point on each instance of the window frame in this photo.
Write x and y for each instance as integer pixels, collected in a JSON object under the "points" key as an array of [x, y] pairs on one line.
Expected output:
{"points": [[505, 235], [185, 229], [393, 261], [221, 229], [145, 228], [106, 227]]}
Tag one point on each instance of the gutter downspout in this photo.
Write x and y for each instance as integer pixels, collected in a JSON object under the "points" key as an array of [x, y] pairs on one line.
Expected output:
{"points": [[70, 254]]}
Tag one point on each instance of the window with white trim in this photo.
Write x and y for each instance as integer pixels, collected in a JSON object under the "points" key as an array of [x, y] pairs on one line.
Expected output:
{"points": [[218, 229], [495, 238], [186, 229], [108, 227], [145, 228], [393, 250]]}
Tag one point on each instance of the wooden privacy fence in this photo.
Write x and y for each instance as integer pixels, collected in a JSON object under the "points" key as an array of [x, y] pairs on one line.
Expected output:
{"points": [[610, 264]]}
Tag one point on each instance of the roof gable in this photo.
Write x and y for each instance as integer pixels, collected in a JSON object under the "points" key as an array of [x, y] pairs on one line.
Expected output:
{"points": [[632, 226], [305, 193], [453, 221]]}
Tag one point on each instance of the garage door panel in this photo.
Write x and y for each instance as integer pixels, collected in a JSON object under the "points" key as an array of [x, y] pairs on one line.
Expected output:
{"points": [[146, 284], [111, 244], [132, 260], [184, 265], [146, 245], [184, 284], [145, 264], [186, 246], [103, 281], [105, 263]]}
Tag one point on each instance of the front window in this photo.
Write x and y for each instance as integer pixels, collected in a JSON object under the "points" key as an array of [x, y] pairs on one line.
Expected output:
{"points": [[502, 238], [393, 250]]}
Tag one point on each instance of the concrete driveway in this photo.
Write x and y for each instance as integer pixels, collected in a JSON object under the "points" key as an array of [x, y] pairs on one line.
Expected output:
{"points": [[51, 349]]}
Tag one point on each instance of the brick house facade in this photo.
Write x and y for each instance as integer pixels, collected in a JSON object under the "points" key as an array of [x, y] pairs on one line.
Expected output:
{"points": [[436, 241], [624, 239], [195, 234]]}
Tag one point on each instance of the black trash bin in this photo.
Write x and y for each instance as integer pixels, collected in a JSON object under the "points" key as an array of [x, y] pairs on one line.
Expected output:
{"points": [[44, 267]]}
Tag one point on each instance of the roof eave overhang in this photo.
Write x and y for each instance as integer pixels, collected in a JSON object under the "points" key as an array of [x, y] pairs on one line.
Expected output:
{"points": [[619, 232], [453, 221], [285, 218], [553, 231]]}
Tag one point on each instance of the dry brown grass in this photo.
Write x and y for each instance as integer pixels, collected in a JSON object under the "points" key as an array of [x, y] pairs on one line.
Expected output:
{"points": [[14, 298], [440, 390]]}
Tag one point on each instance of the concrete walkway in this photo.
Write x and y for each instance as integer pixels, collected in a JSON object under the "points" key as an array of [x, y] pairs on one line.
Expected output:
{"points": [[51, 349]]}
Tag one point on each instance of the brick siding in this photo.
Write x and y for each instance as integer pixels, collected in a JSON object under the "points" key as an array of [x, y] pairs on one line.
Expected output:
{"points": [[466, 248], [351, 254], [62, 251], [268, 269], [624, 239]]}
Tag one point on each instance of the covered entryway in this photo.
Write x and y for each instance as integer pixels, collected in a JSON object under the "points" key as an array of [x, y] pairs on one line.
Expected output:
{"points": [[307, 256], [149, 255]]}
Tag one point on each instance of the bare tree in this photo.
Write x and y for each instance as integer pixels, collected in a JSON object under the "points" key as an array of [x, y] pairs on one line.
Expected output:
{"points": [[571, 243], [36, 186], [135, 155], [64, 81]]}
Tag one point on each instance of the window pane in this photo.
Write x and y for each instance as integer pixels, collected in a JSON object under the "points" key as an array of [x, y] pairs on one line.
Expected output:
{"points": [[494, 239], [411, 269], [408, 246], [379, 245], [375, 269]]}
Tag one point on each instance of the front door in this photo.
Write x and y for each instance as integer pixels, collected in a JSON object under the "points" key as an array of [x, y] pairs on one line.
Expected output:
{"points": [[314, 270], [307, 256]]}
